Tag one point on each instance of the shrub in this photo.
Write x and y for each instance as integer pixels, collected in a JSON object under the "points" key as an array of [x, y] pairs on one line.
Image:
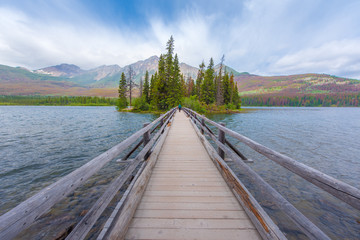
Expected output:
{"points": [[141, 104], [194, 104]]}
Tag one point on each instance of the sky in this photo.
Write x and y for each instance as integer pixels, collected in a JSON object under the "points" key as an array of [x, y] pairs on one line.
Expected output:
{"points": [[264, 37]]}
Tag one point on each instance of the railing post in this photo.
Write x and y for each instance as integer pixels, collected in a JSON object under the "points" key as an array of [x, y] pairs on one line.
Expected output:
{"points": [[221, 138], [146, 136], [202, 124]]}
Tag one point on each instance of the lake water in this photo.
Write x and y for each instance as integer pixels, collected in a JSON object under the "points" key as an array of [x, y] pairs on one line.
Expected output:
{"points": [[38, 145]]}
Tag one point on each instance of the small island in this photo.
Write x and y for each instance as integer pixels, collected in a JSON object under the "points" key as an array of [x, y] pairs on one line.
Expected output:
{"points": [[212, 92]]}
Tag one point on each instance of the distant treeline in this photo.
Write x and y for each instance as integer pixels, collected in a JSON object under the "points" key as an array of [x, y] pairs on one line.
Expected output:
{"points": [[314, 100], [57, 101]]}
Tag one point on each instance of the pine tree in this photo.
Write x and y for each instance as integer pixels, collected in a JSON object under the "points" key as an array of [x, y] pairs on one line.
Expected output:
{"points": [[218, 84], [227, 89], [235, 96], [141, 87], [207, 87], [122, 101], [146, 89], [131, 75], [175, 86], [200, 79], [161, 93]]}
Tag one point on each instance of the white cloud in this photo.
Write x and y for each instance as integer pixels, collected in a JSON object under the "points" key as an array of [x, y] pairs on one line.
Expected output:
{"points": [[28, 42], [336, 57]]}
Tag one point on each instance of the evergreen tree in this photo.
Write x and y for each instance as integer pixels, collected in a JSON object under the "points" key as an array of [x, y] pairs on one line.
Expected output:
{"points": [[227, 89], [169, 59], [207, 87], [122, 101], [141, 87], [218, 84], [175, 86], [161, 93], [200, 78], [153, 89], [146, 89], [236, 98], [131, 75]]}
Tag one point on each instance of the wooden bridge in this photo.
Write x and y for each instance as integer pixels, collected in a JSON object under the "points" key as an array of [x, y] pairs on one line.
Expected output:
{"points": [[180, 187]]}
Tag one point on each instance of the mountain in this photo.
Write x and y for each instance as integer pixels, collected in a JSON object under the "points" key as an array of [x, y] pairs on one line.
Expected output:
{"points": [[69, 79], [62, 70], [295, 85]]}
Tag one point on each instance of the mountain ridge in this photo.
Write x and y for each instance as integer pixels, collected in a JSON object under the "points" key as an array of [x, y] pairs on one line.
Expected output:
{"points": [[69, 79]]}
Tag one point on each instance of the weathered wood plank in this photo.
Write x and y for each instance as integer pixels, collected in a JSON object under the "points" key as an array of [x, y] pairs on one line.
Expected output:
{"points": [[164, 223], [206, 234], [189, 193], [173, 213], [188, 206], [186, 188], [200, 199]]}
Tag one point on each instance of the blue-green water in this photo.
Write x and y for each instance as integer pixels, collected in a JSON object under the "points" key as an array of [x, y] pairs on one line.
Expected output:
{"points": [[38, 145]]}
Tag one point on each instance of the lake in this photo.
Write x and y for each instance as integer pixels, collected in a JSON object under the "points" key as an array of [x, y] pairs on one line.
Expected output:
{"points": [[38, 145]]}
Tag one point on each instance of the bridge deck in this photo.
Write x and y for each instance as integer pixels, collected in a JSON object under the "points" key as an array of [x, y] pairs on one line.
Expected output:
{"points": [[186, 197]]}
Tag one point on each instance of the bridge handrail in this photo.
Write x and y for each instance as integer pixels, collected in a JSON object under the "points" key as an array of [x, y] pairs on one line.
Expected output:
{"points": [[26, 213], [300, 169]]}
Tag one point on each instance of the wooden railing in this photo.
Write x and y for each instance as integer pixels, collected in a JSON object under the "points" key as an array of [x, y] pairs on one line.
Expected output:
{"points": [[29, 211], [337, 188]]}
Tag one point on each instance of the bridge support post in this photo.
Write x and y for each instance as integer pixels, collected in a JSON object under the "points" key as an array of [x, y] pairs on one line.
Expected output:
{"points": [[146, 136], [146, 139], [221, 138], [162, 122], [202, 124]]}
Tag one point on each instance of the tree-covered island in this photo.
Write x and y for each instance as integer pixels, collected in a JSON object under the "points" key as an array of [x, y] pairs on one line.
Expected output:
{"points": [[211, 91]]}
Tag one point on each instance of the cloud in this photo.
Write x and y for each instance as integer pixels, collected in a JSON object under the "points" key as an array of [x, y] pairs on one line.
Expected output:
{"points": [[26, 41], [261, 37], [336, 57]]}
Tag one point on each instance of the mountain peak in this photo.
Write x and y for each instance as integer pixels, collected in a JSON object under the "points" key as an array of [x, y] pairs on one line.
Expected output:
{"points": [[61, 70]]}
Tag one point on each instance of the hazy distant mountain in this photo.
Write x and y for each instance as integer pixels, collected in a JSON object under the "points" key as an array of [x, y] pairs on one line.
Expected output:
{"points": [[296, 85], [62, 70]]}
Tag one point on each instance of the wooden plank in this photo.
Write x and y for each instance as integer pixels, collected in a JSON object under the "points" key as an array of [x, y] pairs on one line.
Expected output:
{"points": [[186, 179], [27, 212], [189, 193], [186, 183], [206, 234], [189, 199], [188, 206], [174, 213], [186, 188], [174, 223]]}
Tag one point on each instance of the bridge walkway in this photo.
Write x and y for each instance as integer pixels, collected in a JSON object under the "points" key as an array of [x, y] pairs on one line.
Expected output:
{"points": [[186, 197]]}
